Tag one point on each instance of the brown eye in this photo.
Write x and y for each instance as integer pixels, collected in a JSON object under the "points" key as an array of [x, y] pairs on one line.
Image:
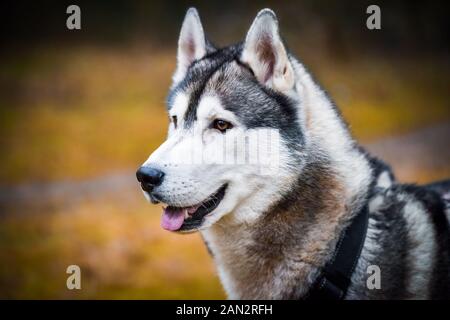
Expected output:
{"points": [[222, 125], [174, 120]]}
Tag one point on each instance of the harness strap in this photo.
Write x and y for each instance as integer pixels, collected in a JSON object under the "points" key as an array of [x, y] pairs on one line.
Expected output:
{"points": [[333, 282]]}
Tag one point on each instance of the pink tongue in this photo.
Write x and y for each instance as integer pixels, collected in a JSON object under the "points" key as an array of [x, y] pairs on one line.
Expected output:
{"points": [[172, 219]]}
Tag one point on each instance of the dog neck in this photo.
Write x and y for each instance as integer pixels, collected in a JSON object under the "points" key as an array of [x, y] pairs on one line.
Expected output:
{"points": [[279, 255]]}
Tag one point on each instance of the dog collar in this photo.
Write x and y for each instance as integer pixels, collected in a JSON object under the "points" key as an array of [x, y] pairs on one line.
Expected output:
{"points": [[334, 280]]}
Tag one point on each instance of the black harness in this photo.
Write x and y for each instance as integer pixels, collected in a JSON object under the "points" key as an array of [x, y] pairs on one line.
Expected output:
{"points": [[333, 282]]}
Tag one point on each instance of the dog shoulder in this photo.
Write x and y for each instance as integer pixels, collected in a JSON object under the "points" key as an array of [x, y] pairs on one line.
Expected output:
{"points": [[409, 239]]}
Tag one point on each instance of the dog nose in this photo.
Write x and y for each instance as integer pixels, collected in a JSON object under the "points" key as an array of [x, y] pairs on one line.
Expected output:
{"points": [[149, 177]]}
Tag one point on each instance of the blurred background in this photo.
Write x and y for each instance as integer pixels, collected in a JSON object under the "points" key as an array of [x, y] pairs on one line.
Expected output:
{"points": [[81, 110]]}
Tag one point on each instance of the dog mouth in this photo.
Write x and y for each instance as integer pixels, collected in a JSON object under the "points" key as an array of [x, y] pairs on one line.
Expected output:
{"points": [[190, 218]]}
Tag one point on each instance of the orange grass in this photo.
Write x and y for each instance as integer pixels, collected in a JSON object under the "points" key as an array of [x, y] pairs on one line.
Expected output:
{"points": [[120, 247]]}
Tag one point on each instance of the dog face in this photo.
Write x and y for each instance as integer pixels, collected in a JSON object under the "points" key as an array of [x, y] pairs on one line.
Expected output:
{"points": [[234, 132]]}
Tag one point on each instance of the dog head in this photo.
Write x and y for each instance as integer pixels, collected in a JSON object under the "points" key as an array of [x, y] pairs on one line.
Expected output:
{"points": [[234, 136]]}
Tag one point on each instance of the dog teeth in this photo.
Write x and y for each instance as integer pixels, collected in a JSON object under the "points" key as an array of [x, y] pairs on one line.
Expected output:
{"points": [[192, 209], [186, 213]]}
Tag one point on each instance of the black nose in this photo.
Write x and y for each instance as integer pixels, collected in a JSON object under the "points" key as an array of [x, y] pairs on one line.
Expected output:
{"points": [[149, 177]]}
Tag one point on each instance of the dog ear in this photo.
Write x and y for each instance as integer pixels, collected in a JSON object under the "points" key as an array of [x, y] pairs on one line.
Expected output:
{"points": [[192, 43], [266, 54]]}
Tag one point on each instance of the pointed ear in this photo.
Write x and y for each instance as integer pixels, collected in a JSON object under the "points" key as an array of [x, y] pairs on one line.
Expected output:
{"points": [[265, 53], [191, 44]]}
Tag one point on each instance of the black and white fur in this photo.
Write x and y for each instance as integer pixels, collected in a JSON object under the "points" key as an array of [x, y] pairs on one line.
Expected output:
{"points": [[271, 235]]}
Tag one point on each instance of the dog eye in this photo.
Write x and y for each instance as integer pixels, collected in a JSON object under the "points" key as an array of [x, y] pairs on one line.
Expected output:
{"points": [[174, 120], [221, 125]]}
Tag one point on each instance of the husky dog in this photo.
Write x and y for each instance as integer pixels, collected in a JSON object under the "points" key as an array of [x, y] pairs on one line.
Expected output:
{"points": [[270, 235]]}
